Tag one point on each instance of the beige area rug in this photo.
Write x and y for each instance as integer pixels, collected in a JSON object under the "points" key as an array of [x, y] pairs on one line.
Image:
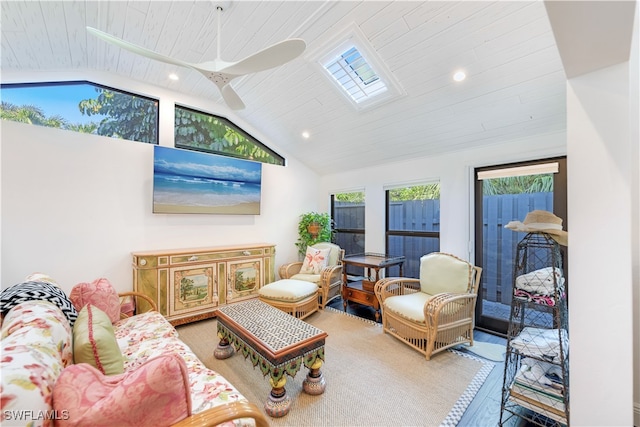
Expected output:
{"points": [[372, 378]]}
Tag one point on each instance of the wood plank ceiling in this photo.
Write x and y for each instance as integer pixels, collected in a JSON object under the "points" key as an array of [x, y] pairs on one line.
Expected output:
{"points": [[515, 86]]}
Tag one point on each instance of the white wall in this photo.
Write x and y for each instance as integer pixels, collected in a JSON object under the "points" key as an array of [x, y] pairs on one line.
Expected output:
{"points": [[454, 171], [75, 206], [634, 119], [600, 165]]}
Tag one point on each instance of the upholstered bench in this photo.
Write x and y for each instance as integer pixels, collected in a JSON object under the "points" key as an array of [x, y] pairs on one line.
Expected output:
{"points": [[299, 298]]}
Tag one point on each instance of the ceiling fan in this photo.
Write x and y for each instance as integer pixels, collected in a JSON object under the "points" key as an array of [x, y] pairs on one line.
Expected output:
{"points": [[218, 71]]}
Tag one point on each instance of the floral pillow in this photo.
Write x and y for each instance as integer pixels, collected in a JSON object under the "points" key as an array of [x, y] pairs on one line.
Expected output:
{"points": [[101, 294], [315, 260], [156, 393]]}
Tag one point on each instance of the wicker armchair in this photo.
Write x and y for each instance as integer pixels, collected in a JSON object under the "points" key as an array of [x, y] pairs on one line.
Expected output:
{"points": [[329, 280], [436, 311]]}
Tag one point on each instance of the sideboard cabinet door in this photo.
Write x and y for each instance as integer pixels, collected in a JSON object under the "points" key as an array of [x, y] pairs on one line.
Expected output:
{"points": [[189, 284]]}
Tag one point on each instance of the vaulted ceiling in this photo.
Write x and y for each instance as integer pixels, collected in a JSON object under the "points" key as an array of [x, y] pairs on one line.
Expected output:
{"points": [[515, 84]]}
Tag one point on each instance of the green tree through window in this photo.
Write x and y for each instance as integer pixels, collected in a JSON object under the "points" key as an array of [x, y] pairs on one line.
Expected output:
{"points": [[127, 116], [199, 131], [82, 107], [100, 110]]}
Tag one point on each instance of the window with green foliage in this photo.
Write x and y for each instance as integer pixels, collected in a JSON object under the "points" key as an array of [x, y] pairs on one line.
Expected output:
{"points": [[195, 130], [82, 107], [413, 223]]}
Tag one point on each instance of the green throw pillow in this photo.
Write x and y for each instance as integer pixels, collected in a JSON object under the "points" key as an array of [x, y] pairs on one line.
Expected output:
{"points": [[94, 341]]}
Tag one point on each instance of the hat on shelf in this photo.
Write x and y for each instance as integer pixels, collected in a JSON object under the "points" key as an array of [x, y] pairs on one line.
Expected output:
{"points": [[541, 222]]}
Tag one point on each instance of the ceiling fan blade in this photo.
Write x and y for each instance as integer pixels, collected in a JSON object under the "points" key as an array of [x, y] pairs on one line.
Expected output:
{"points": [[231, 98], [136, 49], [270, 57]]}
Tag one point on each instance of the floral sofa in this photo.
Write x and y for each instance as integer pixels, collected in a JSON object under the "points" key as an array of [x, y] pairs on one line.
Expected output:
{"points": [[151, 378]]}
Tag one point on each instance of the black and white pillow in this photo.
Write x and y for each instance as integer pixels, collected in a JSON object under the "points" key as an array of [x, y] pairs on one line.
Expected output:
{"points": [[33, 291]]}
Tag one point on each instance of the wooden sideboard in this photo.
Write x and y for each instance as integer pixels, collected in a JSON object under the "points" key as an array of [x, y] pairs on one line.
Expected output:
{"points": [[189, 284]]}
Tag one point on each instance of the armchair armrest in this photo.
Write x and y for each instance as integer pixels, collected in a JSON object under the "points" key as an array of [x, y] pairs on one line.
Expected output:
{"points": [[223, 413], [331, 275], [138, 298], [448, 309], [288, 270], [390, 286]]}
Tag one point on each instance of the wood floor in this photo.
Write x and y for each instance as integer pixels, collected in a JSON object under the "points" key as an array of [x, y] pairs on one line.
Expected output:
{"points": [[484, 410]]}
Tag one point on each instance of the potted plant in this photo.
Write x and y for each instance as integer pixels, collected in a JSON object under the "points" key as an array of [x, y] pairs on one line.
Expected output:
{"points": [[313, 227]]}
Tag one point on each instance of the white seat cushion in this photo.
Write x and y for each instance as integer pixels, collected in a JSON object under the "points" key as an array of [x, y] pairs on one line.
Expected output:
{"points": [[410, 306], [314, 278], [288, 290]]}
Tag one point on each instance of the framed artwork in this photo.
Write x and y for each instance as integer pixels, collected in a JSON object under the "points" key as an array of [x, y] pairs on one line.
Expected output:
{"points": [[244, 278], [190, 182], [192, 289]]}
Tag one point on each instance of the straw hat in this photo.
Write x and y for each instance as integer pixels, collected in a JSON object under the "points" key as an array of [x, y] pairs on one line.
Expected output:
{"points": [[542, 222]]}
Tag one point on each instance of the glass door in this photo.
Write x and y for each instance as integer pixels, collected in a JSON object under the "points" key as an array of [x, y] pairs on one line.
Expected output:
{"points": [[507, 193]]}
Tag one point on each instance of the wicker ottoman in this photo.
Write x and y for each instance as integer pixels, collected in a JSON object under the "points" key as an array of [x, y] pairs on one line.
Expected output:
{"points": [[296, 297]]}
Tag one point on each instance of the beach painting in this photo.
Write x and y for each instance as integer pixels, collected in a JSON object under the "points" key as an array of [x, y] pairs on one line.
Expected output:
{"points": [[187, 181]]}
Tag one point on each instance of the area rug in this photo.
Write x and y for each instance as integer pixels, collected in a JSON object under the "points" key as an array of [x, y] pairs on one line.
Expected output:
{"points": [[490, 351], [372, 378]]}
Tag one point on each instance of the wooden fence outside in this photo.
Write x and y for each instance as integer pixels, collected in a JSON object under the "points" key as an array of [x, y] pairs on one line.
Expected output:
{"points": [[500, 244]]}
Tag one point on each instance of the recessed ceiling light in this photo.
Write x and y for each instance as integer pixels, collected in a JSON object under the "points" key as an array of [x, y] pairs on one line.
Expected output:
{"points": [[459, 76], [305, 135], [173, 76]]}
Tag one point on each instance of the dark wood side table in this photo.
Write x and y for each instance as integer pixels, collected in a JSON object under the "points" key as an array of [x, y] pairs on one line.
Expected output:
{"points": [[361, 291]]}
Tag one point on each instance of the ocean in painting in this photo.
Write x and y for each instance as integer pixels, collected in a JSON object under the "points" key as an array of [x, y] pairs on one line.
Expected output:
{"points": [[191, 182]]}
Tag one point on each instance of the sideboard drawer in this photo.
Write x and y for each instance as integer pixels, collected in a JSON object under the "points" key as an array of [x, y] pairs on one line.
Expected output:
{"points": [[213, 256]]}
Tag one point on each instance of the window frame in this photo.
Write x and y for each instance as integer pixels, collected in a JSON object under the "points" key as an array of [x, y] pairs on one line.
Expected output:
{"points": [[389, 233], [336, 229]]}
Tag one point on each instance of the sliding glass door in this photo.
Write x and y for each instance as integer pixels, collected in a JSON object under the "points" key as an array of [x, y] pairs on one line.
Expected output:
{"points": [[507, 193]]}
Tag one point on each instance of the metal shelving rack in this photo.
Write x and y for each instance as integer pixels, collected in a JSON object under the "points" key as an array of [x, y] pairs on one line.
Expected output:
{"points": [[536, 371]]}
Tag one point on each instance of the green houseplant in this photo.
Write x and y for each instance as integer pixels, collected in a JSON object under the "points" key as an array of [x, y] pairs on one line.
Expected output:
{"points": [[313, 227]]}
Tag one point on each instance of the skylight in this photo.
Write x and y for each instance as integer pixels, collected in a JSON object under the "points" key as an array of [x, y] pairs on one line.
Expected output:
{"points": [[355, 75], [355, 69]]}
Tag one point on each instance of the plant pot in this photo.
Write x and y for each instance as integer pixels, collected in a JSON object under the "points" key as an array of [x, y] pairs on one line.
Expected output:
{"points": [[313, 229]]}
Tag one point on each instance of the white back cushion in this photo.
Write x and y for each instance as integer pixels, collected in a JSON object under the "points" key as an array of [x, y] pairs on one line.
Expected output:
{"points": [[333, 254], [444, 273]]}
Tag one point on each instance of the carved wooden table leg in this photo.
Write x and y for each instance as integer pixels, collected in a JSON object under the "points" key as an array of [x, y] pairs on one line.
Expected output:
{"points": [[224, 349], [279, 402], [314, 383]]}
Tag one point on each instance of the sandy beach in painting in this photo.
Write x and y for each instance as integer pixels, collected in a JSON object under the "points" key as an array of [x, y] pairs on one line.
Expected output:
{"points": [[192, 182], [241, 209]]}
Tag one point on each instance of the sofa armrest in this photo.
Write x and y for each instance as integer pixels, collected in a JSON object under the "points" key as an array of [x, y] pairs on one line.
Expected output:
{"points": [[391, 286], [288, 270], [142, 303], [223, 413]]}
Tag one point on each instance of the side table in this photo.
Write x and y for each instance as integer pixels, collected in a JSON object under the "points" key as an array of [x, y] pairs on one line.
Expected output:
{"points": [[361, 291]]}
